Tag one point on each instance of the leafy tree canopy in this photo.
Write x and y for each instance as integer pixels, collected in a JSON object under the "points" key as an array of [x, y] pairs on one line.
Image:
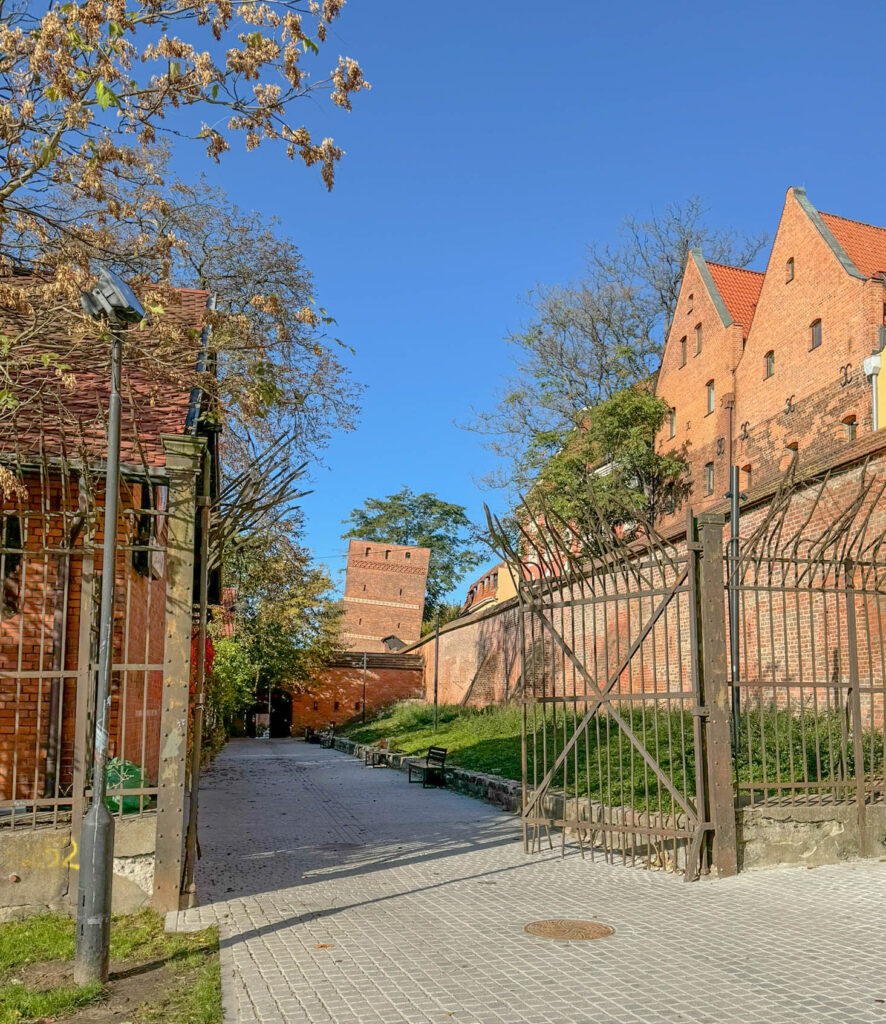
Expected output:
{"points": [[286, 620], [426, 521], [607, 465], [589, 340]]}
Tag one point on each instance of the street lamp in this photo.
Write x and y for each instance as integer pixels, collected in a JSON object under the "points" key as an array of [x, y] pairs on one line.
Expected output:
{"points": [[114, 302]]}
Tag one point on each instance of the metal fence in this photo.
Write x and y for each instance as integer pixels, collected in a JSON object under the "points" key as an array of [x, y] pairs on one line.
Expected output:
{"points": [[811, 585], [637, 745], [50, 567]]}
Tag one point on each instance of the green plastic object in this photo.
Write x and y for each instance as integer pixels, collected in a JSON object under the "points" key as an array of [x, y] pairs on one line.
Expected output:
{"points": [[126, 775]]}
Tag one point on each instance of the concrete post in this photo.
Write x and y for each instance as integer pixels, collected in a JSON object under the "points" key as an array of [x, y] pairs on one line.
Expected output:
{"points": [[183, 457]]}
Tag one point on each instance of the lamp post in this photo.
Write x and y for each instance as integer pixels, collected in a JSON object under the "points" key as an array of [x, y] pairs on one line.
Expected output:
{"points": [[114, 302]]}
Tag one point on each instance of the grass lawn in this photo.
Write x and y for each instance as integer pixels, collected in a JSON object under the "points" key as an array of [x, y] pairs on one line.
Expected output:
{"points": [[777, 747], [479, 739], [154, 976]]}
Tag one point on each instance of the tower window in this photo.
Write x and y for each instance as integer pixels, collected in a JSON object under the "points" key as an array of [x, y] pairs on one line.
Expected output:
{"points": [[683, 351], [710, 396], [789, 270], [672, 422], [850, 427], [746, 476], [367, 552], [408, 555], [698, 339], [691, 303], [387, 555], [815, 334], [770, 364], [709, 478]]}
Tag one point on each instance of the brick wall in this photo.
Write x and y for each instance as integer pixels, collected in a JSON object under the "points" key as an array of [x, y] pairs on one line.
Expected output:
{"points": [[27, 645], [384, 594], [785, 638], [335, 694]]}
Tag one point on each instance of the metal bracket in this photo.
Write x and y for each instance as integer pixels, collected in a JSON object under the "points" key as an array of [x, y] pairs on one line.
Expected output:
{"points": [[701, 712]]}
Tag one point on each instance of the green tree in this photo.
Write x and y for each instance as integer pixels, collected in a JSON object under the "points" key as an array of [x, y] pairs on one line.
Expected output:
{"points": [[426, 521], [607, 465], [448, 611], [286, 620], [591, 339]]}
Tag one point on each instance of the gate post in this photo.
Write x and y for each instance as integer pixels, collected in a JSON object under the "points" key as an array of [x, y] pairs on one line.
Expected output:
{"points": [[715, 694], [183, 456]]}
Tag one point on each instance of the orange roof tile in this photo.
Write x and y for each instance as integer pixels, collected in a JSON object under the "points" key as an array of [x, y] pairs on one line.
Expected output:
{"points": [[865, 244], [739, 289]]}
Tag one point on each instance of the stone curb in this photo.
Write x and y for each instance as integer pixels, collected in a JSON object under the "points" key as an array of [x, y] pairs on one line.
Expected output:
{"points": [[492, 789]]}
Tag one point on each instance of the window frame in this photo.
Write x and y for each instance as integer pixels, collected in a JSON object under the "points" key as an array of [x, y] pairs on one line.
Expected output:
{"points": [[672, 422], [711, 398], [698, 339], [709, 477], [790, 269], [769, 363], [815, 330]]}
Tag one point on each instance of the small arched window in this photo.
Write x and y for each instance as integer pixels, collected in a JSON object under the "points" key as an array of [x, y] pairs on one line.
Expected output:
{"points": [[672, 422], [746, 476], [710, 396], [789, 270], [691, 305], [683, 351], [815, 334], [697, 339], [850, 427], [408, 555], [770, 364], [709, 478]]}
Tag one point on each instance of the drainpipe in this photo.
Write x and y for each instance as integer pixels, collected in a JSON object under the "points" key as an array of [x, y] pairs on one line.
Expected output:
{"points": [[872, 366]]}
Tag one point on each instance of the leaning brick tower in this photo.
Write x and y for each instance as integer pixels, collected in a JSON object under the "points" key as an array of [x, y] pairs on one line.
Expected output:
{"points": [[384, 594]]}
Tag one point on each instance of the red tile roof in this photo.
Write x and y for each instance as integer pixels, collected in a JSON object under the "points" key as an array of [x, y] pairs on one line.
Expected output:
{"points": [[73, 419], [865, 244], [739, 289]]}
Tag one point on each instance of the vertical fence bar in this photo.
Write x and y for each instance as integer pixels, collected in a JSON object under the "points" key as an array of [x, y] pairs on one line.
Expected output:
{"points": [[84, 698], [183, 455], [854, 699], [715, 690]]}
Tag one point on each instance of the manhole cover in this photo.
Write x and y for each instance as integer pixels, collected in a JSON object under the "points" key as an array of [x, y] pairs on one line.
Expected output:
{"points": [[569, 930]]}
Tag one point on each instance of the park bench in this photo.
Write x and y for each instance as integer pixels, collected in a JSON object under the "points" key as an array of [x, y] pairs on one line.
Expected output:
{"points": [[432, 767]]}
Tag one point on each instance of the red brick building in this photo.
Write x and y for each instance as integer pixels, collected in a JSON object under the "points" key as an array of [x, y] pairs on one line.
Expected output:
{"points": [[757, 366], [384, 594], [51, 571]]}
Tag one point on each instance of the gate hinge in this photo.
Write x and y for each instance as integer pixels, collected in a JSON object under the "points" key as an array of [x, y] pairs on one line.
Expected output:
{"points": [[702, 712]]}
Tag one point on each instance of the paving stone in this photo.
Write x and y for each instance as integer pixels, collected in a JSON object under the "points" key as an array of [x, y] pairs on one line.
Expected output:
{"points": [[345, 896]]}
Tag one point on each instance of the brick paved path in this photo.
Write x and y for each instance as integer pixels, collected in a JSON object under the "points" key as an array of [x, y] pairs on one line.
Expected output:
{"points": [[344, 895]]}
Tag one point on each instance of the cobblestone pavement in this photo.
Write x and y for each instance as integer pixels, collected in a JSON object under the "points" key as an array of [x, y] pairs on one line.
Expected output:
{"points": [[345, 895]]}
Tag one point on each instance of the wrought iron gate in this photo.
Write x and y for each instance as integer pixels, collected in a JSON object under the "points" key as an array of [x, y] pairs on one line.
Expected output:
{"points": [[615, 720]]}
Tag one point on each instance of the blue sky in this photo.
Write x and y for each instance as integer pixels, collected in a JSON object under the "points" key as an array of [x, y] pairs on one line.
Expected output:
{"points": [[500, 138]]}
